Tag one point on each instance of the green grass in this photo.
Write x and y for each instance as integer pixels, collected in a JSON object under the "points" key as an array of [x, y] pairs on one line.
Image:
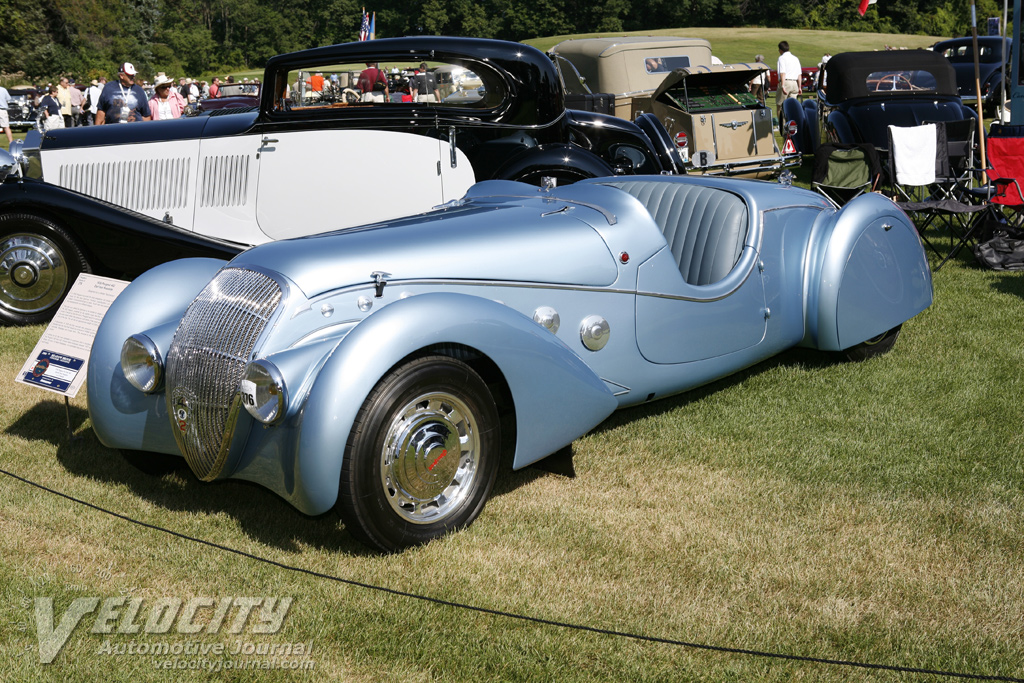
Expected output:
{"points": [[741, 44]]}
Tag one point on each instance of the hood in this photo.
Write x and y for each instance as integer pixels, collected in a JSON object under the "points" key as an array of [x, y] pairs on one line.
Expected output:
{"points": [[729, 76], [185, 128], [528, 241]]}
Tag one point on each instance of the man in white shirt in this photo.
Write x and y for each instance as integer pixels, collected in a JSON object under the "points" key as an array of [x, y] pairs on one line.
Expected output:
{"points": [[789, 71], [5, 121], [95, 89]]}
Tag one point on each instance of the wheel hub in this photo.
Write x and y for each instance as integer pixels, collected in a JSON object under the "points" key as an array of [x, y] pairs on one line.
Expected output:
{"points": [[429, 460], [33, 274]]}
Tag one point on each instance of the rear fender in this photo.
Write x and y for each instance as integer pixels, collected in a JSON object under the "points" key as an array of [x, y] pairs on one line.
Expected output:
{"points": [[561, 160], [840, 127], [867, 273], [122, 416], [557, 397], [792, 110]]}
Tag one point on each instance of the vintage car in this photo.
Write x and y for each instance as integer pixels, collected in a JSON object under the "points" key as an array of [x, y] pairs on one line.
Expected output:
{"points": [[234, 96], [301, 164], [715, 122], [388, 371], [993, 56], [22, 111], [869, 91]]}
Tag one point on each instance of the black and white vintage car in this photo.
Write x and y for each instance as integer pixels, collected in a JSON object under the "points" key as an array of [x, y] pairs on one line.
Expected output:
{"points": [[304, 162]]}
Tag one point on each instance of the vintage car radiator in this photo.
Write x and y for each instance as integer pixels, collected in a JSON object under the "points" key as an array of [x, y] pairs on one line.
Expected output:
{"points": [[206, 361]]}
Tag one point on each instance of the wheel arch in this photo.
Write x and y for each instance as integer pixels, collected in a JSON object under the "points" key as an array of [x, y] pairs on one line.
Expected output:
{"points": [[571, 160], [532, 373]]}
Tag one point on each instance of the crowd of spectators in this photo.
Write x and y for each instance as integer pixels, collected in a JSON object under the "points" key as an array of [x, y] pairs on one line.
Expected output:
{"points": [[125, 99]]}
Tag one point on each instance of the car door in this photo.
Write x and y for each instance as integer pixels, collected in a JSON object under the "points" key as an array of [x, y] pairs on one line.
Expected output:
{"points": [[677, 322], [312, 181]]}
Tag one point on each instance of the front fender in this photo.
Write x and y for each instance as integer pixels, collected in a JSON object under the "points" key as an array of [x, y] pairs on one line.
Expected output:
{"points": [[867, 273], [122, 416], [557, 396], [555, 159]]}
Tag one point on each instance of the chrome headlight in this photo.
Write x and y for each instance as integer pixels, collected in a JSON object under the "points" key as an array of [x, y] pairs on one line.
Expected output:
{"points": [[263, 391], [141, 363]]}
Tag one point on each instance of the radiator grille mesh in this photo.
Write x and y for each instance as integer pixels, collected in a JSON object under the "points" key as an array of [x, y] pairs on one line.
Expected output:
{"points": [[206, 360]]}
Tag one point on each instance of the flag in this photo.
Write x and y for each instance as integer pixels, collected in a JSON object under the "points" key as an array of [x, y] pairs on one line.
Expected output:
{"points": [[864, 6], [373, 26], [364, 28]]}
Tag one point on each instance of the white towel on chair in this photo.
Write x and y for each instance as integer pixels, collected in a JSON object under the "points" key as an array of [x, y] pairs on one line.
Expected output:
{"points": [[913, 152]]}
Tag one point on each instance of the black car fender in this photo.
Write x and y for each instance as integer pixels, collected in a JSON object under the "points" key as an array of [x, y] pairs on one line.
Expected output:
{"points": [[564, 162], [840, 127], [115, 240]]}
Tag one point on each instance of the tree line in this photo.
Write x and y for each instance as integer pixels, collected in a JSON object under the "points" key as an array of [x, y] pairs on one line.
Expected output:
{"points": [[42, 39]]}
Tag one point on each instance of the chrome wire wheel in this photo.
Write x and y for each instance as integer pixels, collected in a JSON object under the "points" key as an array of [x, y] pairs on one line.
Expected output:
{"points": [[430, 458], [422, 455], [33, 273]]}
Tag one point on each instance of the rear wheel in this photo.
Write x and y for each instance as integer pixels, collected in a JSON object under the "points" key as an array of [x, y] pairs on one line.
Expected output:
{"points": [[422, 456], [875, 346], [39, 262]]}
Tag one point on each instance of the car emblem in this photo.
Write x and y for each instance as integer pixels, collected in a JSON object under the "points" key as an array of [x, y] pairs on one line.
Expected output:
{"points": [[733, 124], [181, 414]]}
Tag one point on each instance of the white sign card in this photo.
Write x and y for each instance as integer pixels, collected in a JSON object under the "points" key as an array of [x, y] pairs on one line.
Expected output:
{"points": [[58, 362]]}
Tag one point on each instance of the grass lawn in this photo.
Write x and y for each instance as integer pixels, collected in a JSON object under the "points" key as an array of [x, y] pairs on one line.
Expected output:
{"points": [[870, 512]]}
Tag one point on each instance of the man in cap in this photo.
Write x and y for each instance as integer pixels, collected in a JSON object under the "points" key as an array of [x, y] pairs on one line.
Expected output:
{"points": [[122, 101]]}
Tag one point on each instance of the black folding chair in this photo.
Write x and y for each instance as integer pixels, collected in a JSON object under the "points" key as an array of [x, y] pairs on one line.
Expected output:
{"points": [[843, 171], [918, 163]]}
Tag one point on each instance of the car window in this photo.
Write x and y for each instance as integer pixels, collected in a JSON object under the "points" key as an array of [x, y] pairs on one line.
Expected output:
{"points": [[325, 86], [656, 65], [901, 81]]}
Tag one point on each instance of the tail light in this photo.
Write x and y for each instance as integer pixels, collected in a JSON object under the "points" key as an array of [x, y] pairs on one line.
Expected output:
{"points": [[681, 140], [791, 128]]}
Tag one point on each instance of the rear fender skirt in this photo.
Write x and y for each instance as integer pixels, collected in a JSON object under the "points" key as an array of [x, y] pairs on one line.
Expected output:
{"points": [[867, 273]]}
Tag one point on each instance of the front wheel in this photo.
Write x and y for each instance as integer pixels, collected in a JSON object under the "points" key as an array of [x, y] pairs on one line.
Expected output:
{"points": [[875, 346], [422, 455], [39, 262]]}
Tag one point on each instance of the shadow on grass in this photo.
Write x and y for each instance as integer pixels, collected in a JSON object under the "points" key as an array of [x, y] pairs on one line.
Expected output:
{"points": [[805, 358], [1010, 283], [167, 481]]}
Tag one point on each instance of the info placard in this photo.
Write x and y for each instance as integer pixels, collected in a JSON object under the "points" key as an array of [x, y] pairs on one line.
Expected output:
{"points": [[59, 360]]}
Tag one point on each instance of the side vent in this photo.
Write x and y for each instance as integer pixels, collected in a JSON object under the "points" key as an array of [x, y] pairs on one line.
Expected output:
{"points": [[140, 185], [225, 181]]}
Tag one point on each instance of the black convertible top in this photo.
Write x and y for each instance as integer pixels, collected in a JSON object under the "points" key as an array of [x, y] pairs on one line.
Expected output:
{"points": [[847, 73]]}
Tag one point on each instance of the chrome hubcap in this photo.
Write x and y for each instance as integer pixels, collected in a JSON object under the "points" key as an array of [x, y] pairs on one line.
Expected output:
{"points": [[430, 458], [33, 273]]}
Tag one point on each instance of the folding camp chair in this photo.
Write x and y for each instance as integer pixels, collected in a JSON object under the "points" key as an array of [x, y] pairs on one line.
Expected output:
{"points": [[918, 163], [954, 179], [843, 171], [1006, 167]]}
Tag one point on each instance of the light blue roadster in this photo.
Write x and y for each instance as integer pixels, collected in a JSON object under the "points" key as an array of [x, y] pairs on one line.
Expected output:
{"points": [[385, 370]]}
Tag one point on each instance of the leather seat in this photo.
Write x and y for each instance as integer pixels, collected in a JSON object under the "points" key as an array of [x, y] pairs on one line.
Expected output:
{"points": [[705, 226]]}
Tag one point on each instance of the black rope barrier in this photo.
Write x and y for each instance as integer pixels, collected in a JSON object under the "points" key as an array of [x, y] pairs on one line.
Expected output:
{"points": [[523, 617]]}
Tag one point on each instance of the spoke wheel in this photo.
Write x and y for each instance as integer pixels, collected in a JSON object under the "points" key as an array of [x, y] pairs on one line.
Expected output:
{"points": [[39, 262], [422, 456]]}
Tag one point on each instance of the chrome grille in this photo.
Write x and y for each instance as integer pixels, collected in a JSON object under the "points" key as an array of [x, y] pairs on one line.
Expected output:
{"points": [[211, 347], [140, 185]]}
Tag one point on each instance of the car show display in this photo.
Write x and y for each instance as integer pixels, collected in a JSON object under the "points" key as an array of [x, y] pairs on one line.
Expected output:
{"points": [[388, 371], [714, 121], [309, 158], [993, 67]]}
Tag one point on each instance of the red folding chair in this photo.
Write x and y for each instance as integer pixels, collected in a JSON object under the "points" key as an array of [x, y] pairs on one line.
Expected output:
{"points": [[1006, 166]]}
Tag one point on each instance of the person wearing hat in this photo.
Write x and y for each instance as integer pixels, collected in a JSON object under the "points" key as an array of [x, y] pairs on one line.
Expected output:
{"points": [[123, 101], [167, 102]]}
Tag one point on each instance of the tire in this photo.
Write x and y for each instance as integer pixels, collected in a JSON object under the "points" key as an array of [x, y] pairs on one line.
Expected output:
{"points": [[875, 346], [399, 485], [39, 262]]}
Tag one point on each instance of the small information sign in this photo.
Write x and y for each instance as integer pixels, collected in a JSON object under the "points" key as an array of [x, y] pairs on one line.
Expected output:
{"points": [[58, 361]]}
